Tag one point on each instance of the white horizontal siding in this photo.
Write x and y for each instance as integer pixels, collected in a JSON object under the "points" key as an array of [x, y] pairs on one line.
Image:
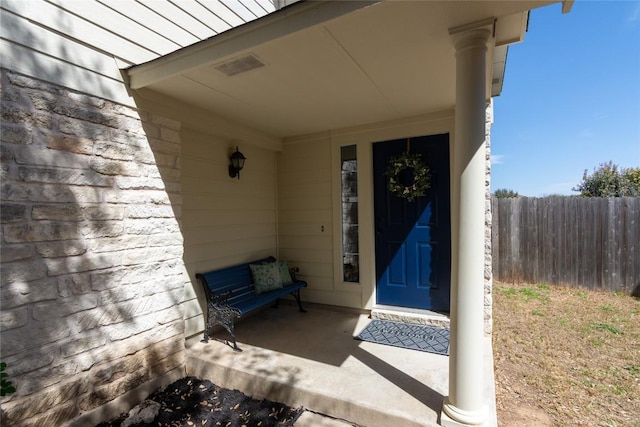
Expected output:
{"points": [[222, 11], [190, 15], [320, 241], [18, 31], [254, 7], [333, 297], [290, 228], [206, 217], [156, 22], [225, 220], [52, 19], [304, 202], [305, 215], [205, 257], [28, 61], [223, 233], [204, 18], [308, 217], [297, 255], [238, 7], [124, 27], [315, 270]]}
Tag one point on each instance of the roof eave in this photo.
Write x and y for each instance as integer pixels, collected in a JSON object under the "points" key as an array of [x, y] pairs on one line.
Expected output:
{"points": [[278, 24]]}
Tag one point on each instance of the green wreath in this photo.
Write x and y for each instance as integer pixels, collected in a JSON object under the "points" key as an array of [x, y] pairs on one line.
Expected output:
{"points": [[419, 181]]}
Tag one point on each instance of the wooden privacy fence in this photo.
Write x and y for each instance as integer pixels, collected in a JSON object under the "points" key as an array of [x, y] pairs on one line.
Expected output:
{"points": [[576, 241]]}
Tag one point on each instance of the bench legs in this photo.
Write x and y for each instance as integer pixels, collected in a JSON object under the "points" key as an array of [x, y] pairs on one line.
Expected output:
{"points": [[296, 294], [223, 316]]}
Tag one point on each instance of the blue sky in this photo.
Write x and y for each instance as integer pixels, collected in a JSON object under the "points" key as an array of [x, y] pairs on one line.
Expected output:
{"points": [[571, 98]]}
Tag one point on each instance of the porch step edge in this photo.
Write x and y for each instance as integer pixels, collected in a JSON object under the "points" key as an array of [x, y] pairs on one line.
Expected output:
{"points": [[410, 315], [264, 385]]}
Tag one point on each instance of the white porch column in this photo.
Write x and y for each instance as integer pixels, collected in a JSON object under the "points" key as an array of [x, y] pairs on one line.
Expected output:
{"points": [[465, 404]]}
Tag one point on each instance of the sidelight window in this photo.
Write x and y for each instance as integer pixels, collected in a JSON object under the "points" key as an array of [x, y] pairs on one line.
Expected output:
{"points": [[349, 199]]}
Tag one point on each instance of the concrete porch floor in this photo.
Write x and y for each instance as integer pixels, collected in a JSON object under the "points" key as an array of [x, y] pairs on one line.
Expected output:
{"points": [[312, 360]]}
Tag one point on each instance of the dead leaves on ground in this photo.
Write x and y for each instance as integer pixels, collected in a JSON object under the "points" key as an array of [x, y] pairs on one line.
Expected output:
{"points": [[193, 402]]}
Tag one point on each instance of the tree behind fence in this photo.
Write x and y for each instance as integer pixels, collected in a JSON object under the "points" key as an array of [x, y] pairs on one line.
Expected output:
{"points": [[587, 242]]}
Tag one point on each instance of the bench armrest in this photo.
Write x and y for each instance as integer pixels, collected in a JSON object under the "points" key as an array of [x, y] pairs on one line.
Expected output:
{"points": [[222, 298], [293, 272], [220, 305]]}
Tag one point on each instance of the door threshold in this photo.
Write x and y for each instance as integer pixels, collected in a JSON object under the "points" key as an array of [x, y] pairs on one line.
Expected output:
{"points": [[410, 315]]}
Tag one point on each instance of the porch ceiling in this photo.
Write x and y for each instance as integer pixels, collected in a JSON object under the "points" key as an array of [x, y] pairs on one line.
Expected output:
{"points": [[331, 65]]}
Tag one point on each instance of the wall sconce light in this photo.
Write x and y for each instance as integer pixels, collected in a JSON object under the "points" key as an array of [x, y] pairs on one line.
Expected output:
{"points": [[236, 163]]}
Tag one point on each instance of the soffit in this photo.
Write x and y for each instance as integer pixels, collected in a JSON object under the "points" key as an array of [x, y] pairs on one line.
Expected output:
{"points": [[379, 62]]}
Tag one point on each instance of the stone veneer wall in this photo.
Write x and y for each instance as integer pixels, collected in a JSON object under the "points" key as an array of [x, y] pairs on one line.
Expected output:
{"points": [[92, 274], [488, 271]]}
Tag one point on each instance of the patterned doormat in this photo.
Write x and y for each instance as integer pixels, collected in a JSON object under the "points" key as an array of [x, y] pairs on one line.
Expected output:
{"points": [[415, 337]]}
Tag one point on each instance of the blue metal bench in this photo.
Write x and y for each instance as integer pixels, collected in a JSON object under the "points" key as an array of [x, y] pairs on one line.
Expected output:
{"points": [[230, 293]]}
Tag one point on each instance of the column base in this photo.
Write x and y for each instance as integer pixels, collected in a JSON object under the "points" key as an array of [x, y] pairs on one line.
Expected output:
{"points": [[452, 416]]}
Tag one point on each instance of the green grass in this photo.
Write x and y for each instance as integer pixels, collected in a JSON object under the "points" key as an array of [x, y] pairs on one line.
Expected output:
{"points": [[609, 309], [528, 292], [508, 291], [531, 293], [606, 327]]}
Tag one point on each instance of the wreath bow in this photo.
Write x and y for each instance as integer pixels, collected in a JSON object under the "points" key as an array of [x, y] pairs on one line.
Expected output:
{"points": [[420, 180]]}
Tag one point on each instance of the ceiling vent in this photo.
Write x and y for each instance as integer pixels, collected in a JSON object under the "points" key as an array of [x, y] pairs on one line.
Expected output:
{"points": [[239, 65]]}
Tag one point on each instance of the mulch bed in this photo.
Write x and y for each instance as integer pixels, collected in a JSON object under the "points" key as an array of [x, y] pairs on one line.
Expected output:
{"points": [[192, 402]]}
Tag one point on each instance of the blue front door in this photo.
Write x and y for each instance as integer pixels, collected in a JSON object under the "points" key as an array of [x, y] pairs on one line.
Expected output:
{"points": [[413, 239]]}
